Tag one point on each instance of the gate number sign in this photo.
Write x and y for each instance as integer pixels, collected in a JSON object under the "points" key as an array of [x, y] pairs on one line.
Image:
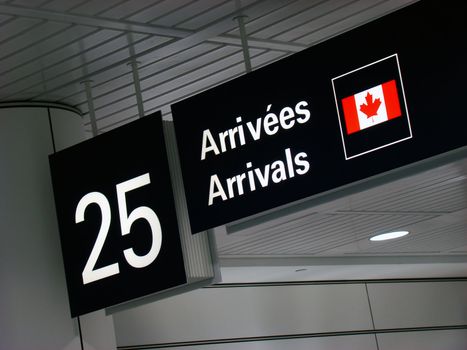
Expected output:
{"points": [[90, 274], [116, 216]]}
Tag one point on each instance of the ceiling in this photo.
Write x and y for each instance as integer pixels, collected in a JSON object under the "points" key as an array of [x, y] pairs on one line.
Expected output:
{"points": [[49, 48], [118, 59], [328, 237]]}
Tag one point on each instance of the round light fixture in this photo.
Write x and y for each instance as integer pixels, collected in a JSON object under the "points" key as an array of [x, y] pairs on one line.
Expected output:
{"points": [[389, 235]]}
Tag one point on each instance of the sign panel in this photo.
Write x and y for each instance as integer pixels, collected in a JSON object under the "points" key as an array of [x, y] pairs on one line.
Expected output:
{"points": [[384, 95], [116, 216]]}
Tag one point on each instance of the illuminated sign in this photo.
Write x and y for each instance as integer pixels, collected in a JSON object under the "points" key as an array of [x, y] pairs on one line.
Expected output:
{"points": [[116, 216], [382, 96]]}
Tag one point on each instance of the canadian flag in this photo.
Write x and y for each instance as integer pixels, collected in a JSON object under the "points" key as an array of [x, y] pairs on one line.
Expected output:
{"points": [[371, 107]]}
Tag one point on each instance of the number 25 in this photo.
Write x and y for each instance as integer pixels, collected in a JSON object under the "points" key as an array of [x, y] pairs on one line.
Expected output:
{"points": [[90, 273]]}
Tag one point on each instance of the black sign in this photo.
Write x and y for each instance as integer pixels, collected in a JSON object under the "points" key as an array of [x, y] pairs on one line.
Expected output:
{"points": [[116, 217], [379, 97]]}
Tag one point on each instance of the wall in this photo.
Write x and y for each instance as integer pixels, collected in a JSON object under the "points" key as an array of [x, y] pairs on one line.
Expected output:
{"points": [[430, 314], [33, 296]]}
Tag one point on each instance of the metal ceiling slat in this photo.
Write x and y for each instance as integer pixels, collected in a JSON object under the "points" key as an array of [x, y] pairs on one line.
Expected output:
{"points": [[4, 19], [193, 87], [227, 58], [147, 74], [339, 236], [61, 5], [270, 236], [305, 222], [259, 43], [224, 74], [158, 10], [283, 224], [329, 20], [418, 237], [29, 3], [382, 225], [95, 7], [174, 83], [221, 26], [434, 244], [314, 227], [187, 12], [12, 29], [273, 16], [95, 55], [48, 52], [97, 22], [306, 12], [117, 88], [186, 70], [406, 187], [41, 32], [373, 11], [420, 200], [115, 50], [106, 74], [303, 242], [26, 89], [128, 8], [362, 226], [200, 20], [312, 234], [73, 50], [341, 229], [446, 200], [330, 12], [109, 80]]}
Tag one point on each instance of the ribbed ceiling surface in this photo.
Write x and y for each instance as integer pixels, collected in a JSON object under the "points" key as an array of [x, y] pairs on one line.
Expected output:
{"points": [[432, 205], [49, 49]]}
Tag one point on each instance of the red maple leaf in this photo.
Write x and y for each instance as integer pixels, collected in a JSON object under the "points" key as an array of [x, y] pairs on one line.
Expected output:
{"points": [[370, 108]]}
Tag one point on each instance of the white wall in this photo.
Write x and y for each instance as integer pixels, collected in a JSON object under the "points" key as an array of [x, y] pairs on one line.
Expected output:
{"points": [[256, 317], [34, 311]]}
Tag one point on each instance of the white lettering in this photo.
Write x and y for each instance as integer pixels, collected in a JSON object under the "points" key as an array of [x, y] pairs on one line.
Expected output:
{"points": [[273, 173], [263, 177], [279, 173], [302, 163], [270, 120], [216, 190], [207, 137], [284, 116], [302, 111], [270, 124], [255, 132]]}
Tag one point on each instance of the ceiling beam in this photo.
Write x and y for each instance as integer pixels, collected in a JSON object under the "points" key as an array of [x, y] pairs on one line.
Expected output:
{"points": [[144, 28]]}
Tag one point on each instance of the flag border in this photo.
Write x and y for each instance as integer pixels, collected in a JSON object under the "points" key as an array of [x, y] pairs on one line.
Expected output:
{"points": [[403, 98]]}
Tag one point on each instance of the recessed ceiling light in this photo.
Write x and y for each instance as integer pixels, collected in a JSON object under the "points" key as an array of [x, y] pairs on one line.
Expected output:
{"points": [[389, 235]]}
